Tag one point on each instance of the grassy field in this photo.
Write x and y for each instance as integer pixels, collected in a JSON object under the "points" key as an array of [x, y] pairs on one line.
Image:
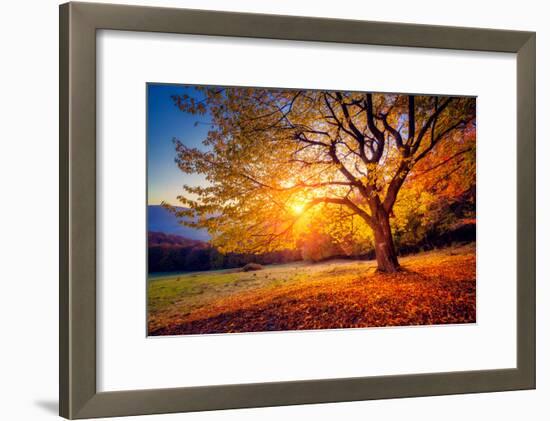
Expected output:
{"points": [[436, 287]]}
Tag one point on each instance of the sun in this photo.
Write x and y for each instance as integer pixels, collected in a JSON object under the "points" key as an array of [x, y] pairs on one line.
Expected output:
{"points": [[297, 208]]}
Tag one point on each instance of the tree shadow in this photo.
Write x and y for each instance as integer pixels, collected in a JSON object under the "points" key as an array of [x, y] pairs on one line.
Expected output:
{"points": [[50, 406]]}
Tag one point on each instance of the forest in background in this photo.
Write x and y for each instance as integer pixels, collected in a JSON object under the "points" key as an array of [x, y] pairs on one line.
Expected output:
{"points": [[175, 253]]}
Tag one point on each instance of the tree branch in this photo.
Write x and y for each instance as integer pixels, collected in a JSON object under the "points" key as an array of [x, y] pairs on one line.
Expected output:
{"points": [[440, 136], [346, 202], [395, 185], [418, 174], [396, 135], [431, 120], [379, 136], [412, 122]]}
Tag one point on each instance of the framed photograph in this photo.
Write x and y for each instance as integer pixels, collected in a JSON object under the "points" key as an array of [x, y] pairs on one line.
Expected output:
{"points": [[265, 210]]}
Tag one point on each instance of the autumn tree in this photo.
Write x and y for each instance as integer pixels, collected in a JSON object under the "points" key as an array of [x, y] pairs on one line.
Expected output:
{"points": [[276, 159]]}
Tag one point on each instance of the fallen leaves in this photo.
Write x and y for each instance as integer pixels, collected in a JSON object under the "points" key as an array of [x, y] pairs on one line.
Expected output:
{"points": [[433, 288]]}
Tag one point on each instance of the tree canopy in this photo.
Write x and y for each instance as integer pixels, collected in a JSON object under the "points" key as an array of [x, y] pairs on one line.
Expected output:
{"points": [[282, 166]]}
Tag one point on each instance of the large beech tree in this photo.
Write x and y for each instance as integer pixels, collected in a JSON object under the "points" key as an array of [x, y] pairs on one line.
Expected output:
{"points": [[273, 157]]}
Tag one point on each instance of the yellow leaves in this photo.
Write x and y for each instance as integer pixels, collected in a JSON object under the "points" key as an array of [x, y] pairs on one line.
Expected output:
{"points": [[271, 152]]}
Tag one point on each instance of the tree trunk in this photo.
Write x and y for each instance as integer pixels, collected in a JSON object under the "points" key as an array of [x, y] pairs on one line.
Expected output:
{"points": [[386, 257]]}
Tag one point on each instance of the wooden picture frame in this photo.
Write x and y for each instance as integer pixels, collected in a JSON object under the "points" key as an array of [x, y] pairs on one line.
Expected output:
{"points": [[79, 397]]}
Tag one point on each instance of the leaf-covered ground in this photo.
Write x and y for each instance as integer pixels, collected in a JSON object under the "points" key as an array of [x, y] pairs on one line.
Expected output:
{"points": [[436, 287]]}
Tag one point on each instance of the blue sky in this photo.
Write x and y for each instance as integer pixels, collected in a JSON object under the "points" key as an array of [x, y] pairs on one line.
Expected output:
{"points": [[164, 122]]}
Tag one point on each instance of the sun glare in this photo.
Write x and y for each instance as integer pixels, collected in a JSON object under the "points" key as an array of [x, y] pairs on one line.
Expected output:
{"points": [[297, 208]]}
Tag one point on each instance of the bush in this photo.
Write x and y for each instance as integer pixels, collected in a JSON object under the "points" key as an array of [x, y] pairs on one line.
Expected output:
{"points": [[249, 267]]}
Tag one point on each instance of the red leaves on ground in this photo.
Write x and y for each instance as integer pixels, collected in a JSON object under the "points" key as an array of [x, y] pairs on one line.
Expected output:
{"points": [[430, 290]]}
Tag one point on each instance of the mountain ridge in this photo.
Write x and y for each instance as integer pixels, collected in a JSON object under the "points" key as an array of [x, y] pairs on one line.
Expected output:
{"points": [[160, 220]]}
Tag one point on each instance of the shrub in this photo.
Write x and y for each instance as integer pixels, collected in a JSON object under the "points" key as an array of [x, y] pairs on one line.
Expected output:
{"points": [[249, 267]]}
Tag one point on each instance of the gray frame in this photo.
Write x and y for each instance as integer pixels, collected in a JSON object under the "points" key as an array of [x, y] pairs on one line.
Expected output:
{"points": [[77, 340]]}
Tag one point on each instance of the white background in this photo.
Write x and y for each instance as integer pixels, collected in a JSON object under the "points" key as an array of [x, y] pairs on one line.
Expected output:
{"points": [[127, 60], [29, 210]]}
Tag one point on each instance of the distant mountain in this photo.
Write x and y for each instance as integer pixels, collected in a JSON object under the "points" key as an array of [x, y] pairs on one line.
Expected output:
{"points": [[161, 220], [161, 239]]}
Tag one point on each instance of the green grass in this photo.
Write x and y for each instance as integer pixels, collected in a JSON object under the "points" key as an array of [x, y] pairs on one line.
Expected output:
{"points": [[189, 291]]}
